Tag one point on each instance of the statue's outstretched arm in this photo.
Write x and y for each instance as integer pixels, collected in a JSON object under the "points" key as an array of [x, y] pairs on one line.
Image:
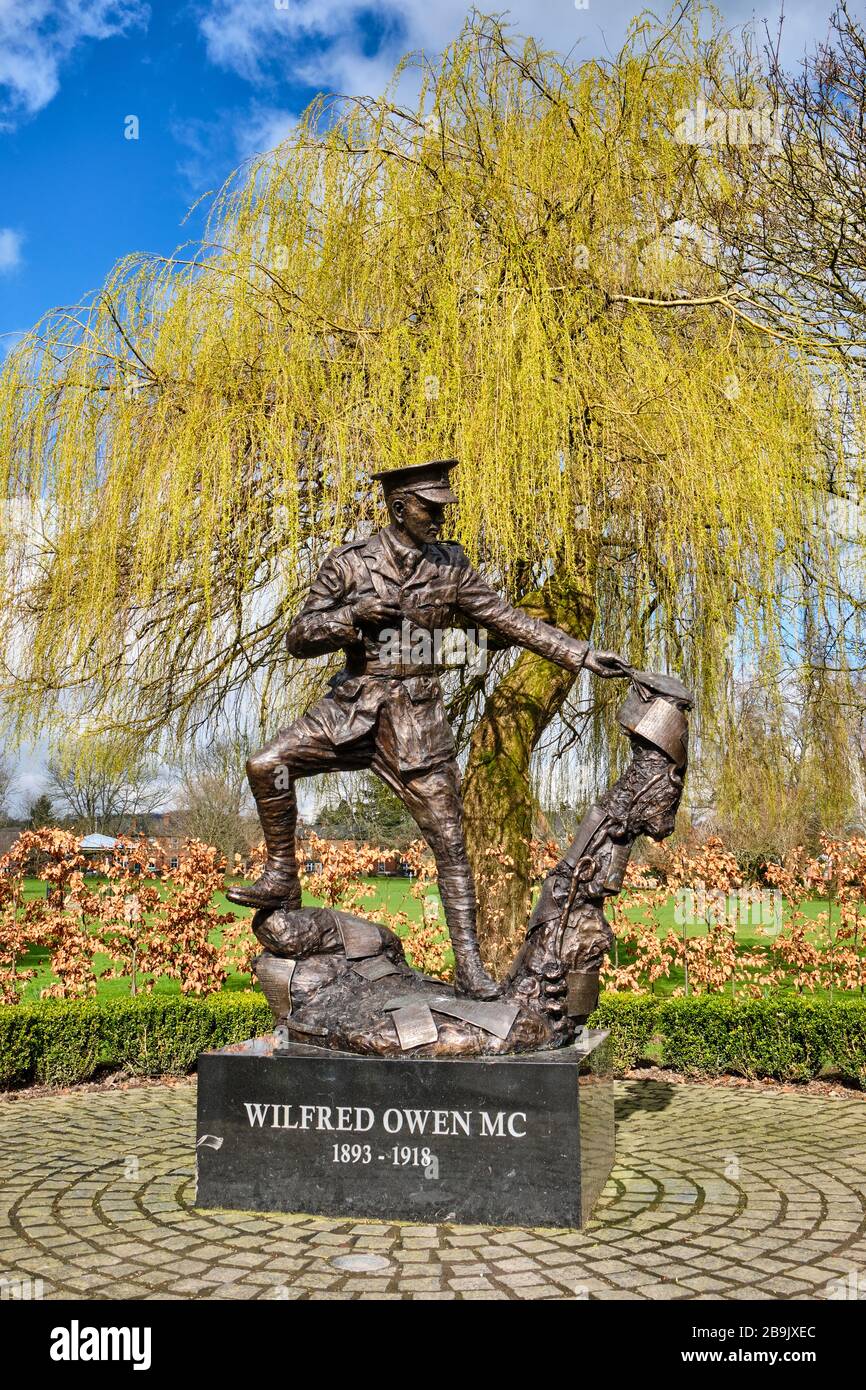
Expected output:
{"points": [[482, 605]]}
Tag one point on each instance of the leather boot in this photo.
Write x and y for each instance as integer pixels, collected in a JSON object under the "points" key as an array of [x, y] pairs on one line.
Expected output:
{"points": [[278, 884], [457, 890]]}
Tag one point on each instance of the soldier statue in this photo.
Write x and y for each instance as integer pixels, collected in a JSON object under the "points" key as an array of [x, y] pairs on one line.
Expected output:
{"points": [[385, 710]]}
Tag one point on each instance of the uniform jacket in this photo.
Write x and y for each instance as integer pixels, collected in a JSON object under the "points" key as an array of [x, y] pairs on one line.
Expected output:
{"points": [[440, 592]]}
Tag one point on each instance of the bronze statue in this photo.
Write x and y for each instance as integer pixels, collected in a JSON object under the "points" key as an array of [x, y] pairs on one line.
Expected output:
{"points": [[387, 713], [338, 981]]}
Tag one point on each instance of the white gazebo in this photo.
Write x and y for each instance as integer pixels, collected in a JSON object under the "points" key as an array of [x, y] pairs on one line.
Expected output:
{"points": [[97, 844]]}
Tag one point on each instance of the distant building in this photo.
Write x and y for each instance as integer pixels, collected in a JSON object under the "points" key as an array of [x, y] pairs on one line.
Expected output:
{"points": [[391, 865]]}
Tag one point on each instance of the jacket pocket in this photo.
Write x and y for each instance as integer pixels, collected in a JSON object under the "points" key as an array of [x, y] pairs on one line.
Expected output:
{"points": [[346, 690], [420, 689]]}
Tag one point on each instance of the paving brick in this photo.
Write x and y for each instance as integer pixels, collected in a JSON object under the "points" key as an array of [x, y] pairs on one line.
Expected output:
{"points": [[671, 1226]]}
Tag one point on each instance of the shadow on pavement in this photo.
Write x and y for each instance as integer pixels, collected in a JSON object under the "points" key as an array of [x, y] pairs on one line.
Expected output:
{"points": [[650, 1096]]}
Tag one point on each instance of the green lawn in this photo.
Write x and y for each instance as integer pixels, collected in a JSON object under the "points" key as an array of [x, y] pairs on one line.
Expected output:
{"points": [[394, 895], [746, 938]]}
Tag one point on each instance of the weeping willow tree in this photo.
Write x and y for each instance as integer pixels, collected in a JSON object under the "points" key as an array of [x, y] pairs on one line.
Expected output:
{"points": [[773, 785], [501, 270]]}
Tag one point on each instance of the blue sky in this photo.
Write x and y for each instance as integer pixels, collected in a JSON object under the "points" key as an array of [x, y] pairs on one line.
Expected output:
{"points": [[210, 82]]}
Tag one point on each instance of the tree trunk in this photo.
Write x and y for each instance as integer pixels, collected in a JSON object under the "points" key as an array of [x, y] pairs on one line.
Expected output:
{"points": [[497, 798]]}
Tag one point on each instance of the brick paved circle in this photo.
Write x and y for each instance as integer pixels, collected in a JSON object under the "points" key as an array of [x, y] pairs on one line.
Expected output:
{"points": [[717, 1193]]}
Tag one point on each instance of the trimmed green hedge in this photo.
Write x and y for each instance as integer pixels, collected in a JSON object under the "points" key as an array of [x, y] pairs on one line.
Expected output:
{"points": [[786, 1037], [632, 1020], [792, 1039], [60, 1042], [706, 1036]]}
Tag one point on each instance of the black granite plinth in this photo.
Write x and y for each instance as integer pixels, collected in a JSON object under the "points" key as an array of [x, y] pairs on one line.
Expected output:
{"points": [[525, 1140]]}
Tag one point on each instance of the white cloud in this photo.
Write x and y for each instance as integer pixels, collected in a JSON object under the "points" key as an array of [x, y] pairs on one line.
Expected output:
{"points": [[38, 36], [10, 249], [327, 42], [263, 128], [231, 137], [202, 164], [30, 778], [10, 340], [242, 34]]}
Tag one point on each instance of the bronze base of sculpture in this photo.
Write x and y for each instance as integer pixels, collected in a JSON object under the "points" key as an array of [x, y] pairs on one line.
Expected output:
{"points": [[354, 991]]}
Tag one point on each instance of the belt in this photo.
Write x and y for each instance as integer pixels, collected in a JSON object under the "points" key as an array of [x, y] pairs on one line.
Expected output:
{"points": [[400, 672]]}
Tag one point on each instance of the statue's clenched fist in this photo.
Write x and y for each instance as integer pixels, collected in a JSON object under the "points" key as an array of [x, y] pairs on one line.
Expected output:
{"points": [[606, 664], [372, 610]]}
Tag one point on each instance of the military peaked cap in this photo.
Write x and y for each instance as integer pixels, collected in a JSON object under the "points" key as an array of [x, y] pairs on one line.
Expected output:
{"points": [[427, 480]]}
